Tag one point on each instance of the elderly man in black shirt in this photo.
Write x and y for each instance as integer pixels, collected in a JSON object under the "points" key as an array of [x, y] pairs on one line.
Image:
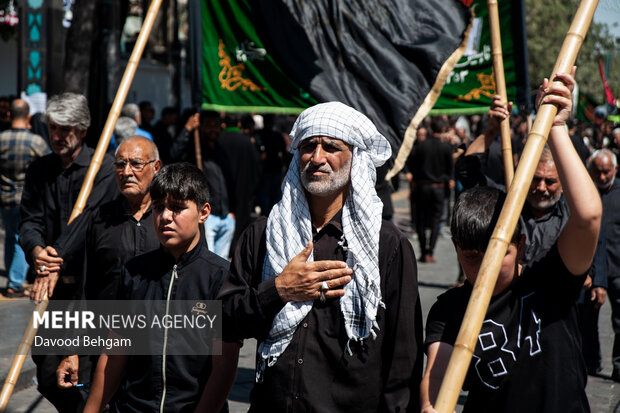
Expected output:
{"points": [[603, 167], [113, 233], [51, 188], [327, 287]]}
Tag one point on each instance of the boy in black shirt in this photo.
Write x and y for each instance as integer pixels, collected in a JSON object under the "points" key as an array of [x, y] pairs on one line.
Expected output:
{"points": [[182, 269], [528, 357]]}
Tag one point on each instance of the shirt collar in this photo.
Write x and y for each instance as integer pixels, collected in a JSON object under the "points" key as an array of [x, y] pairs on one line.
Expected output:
{"points": [[335, 222], [83, 158], [187, 257]]}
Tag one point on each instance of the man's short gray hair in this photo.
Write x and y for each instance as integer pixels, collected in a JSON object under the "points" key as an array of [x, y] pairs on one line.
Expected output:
{"points": [[130, 110], [125, 127], [68, 109], [601, 153]]}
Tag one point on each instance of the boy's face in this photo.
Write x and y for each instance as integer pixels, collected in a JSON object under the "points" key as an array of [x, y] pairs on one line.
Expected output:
{"points": [[470, 260], [177, 224]]}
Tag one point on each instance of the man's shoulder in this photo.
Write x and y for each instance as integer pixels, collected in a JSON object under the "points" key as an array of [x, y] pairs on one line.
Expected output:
{"points": [[390, 233], [215, 263], [42, 165], [139, 263]]}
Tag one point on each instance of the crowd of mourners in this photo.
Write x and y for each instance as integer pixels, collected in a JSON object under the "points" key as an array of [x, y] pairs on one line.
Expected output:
{"points": [[287, 222]]}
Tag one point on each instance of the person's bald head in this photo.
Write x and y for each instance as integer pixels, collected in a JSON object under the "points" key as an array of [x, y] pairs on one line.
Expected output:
{"points": [[145, 143], [19, 110], [136, 163]]}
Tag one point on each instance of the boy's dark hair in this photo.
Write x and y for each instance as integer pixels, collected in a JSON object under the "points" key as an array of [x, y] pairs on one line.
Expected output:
{"points": [[474, 218], [181, 181]]}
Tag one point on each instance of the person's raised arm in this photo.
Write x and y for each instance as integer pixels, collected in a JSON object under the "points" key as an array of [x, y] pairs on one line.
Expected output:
{"points": [[497, 112], [577, 241]]}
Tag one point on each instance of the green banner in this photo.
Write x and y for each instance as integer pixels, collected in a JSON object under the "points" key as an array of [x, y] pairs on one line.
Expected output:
{"points": [[471, 85], [238, 74]]}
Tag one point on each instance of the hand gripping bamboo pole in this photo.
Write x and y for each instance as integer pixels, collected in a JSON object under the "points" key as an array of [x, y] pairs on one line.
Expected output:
{"points": [[87, 185], [489, 270], [500, 86]]}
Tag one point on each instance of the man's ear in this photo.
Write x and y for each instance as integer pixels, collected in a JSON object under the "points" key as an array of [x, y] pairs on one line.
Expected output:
{"points": [[204, 212], [157, 165]]}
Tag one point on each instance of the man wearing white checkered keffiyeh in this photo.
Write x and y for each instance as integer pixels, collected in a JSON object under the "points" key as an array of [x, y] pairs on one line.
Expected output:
{"points": [[326, 137]]}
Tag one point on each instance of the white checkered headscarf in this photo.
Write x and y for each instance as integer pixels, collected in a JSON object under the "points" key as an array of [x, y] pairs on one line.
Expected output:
{"points": [[289, 227]]}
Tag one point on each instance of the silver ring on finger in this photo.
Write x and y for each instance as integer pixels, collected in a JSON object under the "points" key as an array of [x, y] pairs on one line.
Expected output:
{"points": [[42, 268], [322, 297], [324, 286]]}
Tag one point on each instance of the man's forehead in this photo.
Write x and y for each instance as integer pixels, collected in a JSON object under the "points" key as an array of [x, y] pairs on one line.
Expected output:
{"points": [[602, 162], [325, 139], [546, 168]]}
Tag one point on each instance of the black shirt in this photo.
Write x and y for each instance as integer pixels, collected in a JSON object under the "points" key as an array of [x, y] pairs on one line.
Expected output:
{"points": [[314, 374], [50, 191], [432, 162], [528, 355], [111, 236], [147, 277], [215, 166], [611, 218]]}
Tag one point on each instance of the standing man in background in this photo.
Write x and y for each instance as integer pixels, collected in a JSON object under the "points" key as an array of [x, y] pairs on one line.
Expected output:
{"points": [[18, 149]]}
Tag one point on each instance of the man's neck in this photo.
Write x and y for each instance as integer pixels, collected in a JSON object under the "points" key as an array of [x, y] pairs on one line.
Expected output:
{"points": [[539, 213], [138, 205], [324, 208], [19, 124], [186, 247]]}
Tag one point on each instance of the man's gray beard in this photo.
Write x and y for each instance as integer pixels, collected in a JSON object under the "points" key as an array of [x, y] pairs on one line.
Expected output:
{"points": [[546, 204], [328, 185], [607, 186]]}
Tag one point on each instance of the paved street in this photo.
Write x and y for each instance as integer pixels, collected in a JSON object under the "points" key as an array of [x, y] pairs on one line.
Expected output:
{"points": [[604, 394]]}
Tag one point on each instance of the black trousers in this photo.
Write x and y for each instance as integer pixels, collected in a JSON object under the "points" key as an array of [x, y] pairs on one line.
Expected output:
{"points": [[64, 400], [613, 294], [429, 207], [588, 325]]}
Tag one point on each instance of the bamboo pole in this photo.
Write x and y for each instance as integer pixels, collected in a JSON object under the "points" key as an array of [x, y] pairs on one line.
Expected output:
{"points": [[87, 185], [197, 148], [500, 239], [500, 86]]}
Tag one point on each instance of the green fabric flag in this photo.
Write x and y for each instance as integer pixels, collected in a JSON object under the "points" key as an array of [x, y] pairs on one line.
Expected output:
{"points": [[471, 85], [585, 108], [239, 75]]}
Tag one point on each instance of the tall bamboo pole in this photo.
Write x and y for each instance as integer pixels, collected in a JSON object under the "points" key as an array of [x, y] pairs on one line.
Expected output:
{"points": [[500, 239], [87, 185], [500, 86], [197, 148]]}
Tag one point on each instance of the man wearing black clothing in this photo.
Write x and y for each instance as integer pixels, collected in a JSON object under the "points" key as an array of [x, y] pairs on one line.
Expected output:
{"points": [[432, 172], [603, 166], [112, 233], [245, 172], [220, 225], [51, 188], [327, 287]]}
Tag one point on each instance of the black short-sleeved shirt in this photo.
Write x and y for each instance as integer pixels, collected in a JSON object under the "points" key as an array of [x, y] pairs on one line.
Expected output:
{"points": [[314, 374], [528, 355], [147, 277]]}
